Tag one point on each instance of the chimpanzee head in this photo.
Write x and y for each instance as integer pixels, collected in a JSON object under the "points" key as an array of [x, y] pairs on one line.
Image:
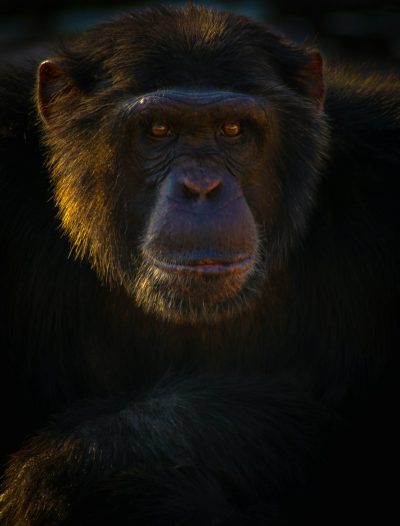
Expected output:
{"points": [[185, 147]]}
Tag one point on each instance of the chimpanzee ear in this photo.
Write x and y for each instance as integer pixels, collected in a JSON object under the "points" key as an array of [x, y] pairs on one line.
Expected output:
{"points": [[51, 81], [312, 78]]}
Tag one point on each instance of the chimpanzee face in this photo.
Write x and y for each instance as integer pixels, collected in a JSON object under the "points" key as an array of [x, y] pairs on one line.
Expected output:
{"points": [[200, 153], [184, 194]]}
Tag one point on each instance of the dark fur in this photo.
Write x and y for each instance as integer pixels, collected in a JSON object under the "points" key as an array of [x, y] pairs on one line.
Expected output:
{"points": [[111, 463], [323, 317]]}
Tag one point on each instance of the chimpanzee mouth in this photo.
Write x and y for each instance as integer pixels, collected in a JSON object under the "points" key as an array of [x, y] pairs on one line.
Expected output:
{"points": [[207, 266], [197, 288]]}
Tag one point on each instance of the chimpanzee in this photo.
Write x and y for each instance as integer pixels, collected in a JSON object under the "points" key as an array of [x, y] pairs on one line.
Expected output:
{"points": [[199, 279]]}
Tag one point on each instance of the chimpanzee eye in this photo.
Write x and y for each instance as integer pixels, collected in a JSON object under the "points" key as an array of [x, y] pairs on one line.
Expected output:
{"points": [[160, 129], [231, 128]]}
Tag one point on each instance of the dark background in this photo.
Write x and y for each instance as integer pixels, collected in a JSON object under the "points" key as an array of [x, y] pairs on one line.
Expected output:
{"points": [[360, 31]]}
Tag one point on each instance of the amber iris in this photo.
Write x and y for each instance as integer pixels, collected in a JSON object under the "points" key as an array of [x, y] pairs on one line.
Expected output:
{"points": [[231, 128], [159, 129]]}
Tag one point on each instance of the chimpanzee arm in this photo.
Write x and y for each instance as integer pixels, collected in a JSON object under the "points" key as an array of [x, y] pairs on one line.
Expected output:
{"points": [[200, 451]]}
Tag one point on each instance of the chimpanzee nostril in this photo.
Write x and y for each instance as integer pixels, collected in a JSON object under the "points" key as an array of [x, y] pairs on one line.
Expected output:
{"points": [[201, 187]]}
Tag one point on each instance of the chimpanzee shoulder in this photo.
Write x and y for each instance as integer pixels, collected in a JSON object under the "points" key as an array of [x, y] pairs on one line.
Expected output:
{"points": [[364, 112]]}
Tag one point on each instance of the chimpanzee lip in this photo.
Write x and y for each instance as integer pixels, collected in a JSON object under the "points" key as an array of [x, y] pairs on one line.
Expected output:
{"points": [[206, 266]]}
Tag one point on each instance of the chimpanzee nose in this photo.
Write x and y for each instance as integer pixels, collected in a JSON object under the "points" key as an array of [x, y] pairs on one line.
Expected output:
{"points": [[202, 186]]}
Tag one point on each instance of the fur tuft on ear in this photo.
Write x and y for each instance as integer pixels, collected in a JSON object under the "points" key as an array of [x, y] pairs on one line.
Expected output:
{"points": [[51, 81]]}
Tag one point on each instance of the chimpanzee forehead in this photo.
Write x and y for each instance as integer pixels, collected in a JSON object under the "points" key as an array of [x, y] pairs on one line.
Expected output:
{"points": [[192, 56]]}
